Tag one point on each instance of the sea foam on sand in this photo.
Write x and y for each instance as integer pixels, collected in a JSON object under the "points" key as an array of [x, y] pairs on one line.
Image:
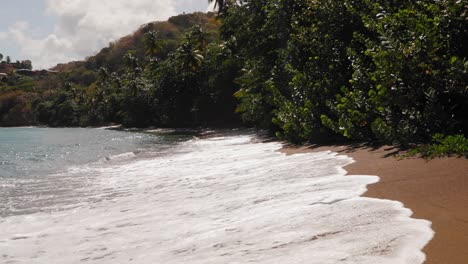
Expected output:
{"points": [[221, 200]]}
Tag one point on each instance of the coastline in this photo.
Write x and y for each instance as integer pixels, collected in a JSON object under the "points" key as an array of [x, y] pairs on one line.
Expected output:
{"points": [[435, 190], [243, 202]]}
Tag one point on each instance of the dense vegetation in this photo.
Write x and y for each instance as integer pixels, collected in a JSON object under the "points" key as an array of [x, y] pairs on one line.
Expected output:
{"points": [[156, 76], [441, 146], [387, 70]]}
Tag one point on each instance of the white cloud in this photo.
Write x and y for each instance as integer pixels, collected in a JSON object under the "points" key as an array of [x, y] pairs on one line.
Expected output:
{"points": [[85, 26], [3, 35], [189, 6]]}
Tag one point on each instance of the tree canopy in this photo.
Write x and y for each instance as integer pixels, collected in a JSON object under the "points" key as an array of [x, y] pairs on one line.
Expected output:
{"points": [[387, 70]]}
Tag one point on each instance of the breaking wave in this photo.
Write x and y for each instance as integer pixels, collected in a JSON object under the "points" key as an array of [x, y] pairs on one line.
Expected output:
{"points": [[218, 200]]}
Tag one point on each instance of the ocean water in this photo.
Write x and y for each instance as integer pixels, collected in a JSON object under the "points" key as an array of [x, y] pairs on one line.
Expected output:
{"points": [[39, 167], [228, 199]]}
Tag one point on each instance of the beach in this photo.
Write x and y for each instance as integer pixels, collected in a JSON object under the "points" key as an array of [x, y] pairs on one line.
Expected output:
{"points": [[224, 199], [435, 190]]}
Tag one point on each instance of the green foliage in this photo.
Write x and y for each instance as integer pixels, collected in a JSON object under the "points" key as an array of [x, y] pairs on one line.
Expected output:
{"points": [[403, 85], [152, 43], [255, 96], [62, 109], [363, 69], [15, 109], [443, 146], [174, 73], [222, 5], [164, 38], [392, 71], [15, 82]]}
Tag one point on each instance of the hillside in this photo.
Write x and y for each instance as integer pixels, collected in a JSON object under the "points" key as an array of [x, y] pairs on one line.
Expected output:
{"points": [[23, 98], [170, 32]]}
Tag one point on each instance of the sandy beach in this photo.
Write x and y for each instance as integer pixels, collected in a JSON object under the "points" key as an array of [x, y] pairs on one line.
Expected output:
{"points": [[216, 200], [435, 190]]}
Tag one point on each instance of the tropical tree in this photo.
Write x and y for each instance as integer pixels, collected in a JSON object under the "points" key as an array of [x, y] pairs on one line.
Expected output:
{"points": [[103, 75], [133, 72], [190, 52], [222, 5], [152, 43], [197, 37], [190, 58], [1, 57]]}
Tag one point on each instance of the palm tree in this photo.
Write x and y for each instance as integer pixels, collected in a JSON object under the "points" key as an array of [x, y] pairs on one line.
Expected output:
{"points": [[222, 5], [197, 37], [152, 43], [191, 61], [103, 75], [133, 73], [72, 90], [131, 62], [190, 57]]}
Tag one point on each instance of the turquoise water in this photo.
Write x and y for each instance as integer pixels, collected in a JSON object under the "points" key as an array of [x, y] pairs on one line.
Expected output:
{"points": [[34, 152], [46, 168]]}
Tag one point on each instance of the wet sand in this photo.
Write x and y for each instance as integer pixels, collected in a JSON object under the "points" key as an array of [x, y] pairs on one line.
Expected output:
{"points": [[435, 190]]}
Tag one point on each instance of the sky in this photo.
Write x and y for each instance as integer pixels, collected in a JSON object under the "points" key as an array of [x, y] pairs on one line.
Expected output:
{"points": [[48, 32]]}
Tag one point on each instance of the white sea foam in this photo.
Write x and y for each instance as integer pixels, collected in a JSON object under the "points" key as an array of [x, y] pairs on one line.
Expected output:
{"points": [[221, 200], [119, 157]]}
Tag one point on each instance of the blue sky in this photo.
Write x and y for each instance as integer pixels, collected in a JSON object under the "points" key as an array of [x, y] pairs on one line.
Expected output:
{"points": [[12, 11], [54, 31]]}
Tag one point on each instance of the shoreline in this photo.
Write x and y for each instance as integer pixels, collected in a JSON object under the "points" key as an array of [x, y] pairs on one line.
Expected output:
{"points": [[435, 190], [242, 202]]}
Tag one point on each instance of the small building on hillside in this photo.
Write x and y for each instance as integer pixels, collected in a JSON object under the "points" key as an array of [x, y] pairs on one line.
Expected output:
{"points": [[26, 72]]}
